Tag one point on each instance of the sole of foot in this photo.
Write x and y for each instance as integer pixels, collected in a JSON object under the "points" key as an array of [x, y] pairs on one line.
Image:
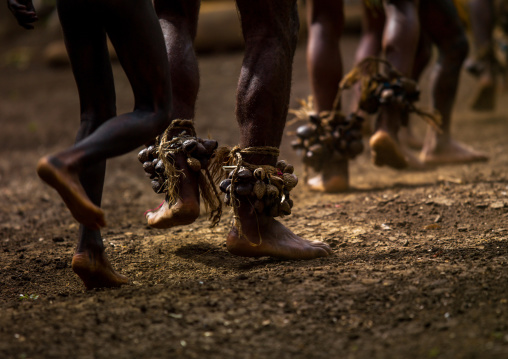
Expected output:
{"points": [[386, 151], [70, 190], [180, 214]]}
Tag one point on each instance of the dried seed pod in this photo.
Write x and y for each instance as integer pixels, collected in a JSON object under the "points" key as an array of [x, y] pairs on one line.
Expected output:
{"points": [[152, 151], [199, 151], [260, 173], [156, 186], [290, 202], [305, 131], [244, 174], [259, 206], [277, 182], [189, 145], [194, 164], [159, 167], [243, 189], [210, 145], [290, 181], [148, 167], [224, 185], [143, 155], [284, 209], [259, 189], [289, 169], [281, 165], [271, 191], [386, 95]]}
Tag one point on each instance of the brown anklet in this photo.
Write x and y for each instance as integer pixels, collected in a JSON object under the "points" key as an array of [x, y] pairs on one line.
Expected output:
{"points": [[159, 164], [392, 88], [266, 187], [327, 135]]}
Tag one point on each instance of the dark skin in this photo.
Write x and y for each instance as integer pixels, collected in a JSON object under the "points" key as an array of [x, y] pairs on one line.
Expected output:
{"points": [[325, 19], [77, 173], [270, 30], [442, 24], [481, 13], [441, 27], [399, 43]]}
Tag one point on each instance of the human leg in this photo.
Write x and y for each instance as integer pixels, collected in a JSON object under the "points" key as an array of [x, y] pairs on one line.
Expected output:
{"points": [[324, 66], [441, 22], [481, 13], [178, 20], [270, 30], [77, 173], [400, 39]]}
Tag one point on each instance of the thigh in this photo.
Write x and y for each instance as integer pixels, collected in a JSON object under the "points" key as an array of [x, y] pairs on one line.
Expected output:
{"points": [[136, 35], [86, 42]]}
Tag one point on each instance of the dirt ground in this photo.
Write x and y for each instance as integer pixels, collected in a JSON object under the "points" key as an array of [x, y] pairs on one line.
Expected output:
{"points": [[419, 268]]}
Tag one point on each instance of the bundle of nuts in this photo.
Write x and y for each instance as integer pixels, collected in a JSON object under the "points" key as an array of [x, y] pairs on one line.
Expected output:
{"points": [[339, 138], [153, 167], [269, 190], [392, 90], [198, 152]]}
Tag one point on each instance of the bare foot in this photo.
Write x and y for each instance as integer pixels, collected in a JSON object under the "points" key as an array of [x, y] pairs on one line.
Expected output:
{"points": [[186, 208], [68, 186], [276, 240], [333, 178], [451, 152], [184, 211], [96, 271], [386, 151]]}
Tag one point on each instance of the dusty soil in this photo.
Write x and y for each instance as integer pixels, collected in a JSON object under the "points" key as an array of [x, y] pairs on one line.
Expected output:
{"points": [[419, 268]]}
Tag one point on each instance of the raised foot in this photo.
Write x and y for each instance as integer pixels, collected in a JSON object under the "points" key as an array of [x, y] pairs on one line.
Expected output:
{"points": [[452, 152], [183, 212], [96, 271], [276, 241], [386, 151], [68, 186]]}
